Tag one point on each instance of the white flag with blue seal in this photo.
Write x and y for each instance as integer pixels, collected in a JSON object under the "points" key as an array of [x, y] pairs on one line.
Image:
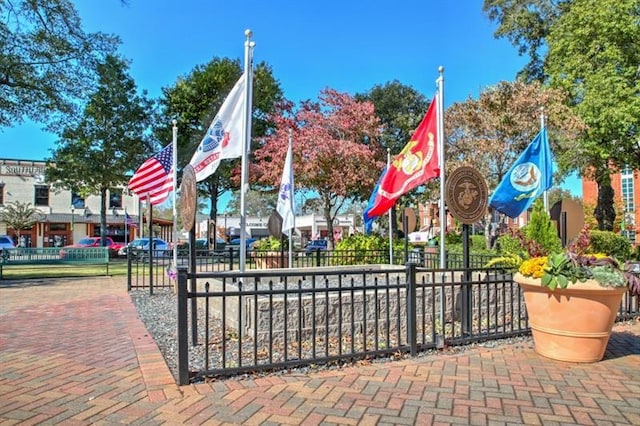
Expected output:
{"points": [[528, 178], [285, 206], [224, 137]]}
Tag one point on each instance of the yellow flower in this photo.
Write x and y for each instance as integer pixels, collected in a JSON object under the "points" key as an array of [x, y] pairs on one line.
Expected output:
{"points": [[533, 267]]}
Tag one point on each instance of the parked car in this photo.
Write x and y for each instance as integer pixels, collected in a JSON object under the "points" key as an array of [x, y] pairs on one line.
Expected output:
{"points": [[6, 243], [93, 242], [315, 245], [142, 244], [249, 242]]}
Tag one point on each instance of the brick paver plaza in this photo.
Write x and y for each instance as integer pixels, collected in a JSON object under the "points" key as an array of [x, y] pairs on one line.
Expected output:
{"points": [[73, 351]]}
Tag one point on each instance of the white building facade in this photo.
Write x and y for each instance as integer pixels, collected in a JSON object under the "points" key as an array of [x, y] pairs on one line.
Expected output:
{"points": [[65, 217]]}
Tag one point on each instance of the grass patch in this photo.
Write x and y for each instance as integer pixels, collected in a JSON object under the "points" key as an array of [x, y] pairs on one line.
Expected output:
{"points": [[21, 272]]}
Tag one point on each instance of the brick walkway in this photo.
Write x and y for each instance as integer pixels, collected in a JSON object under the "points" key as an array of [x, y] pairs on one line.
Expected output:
{"points": [[74, 352]]}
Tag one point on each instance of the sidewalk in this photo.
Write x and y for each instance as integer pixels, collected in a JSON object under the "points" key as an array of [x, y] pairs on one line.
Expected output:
{"points": [[74, 351]]}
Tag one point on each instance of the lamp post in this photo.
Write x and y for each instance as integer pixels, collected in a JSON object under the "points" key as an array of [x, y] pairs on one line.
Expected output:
{"points": [[72, 218]]}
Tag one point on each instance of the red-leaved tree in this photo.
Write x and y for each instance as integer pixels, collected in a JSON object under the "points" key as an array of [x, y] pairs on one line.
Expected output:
{"points": [[336, 154]]}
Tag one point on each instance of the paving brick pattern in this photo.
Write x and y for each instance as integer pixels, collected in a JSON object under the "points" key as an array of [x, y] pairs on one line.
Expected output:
{"points": [[74, 352]]}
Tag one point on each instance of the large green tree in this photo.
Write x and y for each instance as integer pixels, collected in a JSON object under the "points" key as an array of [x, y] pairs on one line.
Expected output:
{"points": [[100, 151], [594, 53], [47, 61], [590, 48], [526, 24], [194, 101]]}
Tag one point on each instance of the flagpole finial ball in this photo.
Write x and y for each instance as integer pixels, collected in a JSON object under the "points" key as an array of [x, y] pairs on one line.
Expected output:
{"points": [[440, 69], [174, 122], [248, 33]]}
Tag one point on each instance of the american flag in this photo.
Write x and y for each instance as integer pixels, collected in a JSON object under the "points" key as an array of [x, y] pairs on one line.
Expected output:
{"points": [[154, 177], [129, 220]]}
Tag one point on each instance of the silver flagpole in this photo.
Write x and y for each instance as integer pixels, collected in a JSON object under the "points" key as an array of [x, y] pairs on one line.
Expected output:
{"points": [[390, 220], [291, 203], [545, 196], [248, 67], [443, 214], [440, 131], [175, 188]]}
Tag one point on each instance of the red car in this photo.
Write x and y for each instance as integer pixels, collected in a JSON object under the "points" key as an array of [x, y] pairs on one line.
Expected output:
{"points": [[94, 242]]}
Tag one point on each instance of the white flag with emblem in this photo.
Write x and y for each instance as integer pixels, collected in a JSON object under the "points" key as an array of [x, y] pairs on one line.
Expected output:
{"points": [[224, 137], [285, 205]]}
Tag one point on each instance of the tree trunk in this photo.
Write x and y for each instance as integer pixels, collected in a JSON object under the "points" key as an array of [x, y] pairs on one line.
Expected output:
{"points": [[326, 208], [605, 212], [213, 213]]}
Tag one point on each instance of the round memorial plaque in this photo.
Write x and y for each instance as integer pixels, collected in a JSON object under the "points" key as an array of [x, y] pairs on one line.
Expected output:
{"points": [[188, 198], [466, 195], [275, 224]]}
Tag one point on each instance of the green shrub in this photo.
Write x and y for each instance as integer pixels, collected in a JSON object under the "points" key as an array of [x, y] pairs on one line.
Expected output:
{"points": [[541, 230], [609, 243], [363, 249], [508, 244], [270, 244]]}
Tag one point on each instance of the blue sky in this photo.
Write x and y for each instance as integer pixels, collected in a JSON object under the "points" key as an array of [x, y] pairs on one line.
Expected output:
{"points": [[345, 45]]}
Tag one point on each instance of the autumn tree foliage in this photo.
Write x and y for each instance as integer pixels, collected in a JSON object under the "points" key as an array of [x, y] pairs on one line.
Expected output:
{"points": [[492, 131], [489, 133], [335, 150]]}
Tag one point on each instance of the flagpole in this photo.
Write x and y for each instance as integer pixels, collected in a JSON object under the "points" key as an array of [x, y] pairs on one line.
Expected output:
{"points": [[126, 228], [440, 131], [248, 66], [390, 220], [442, 210], [291, 199], [545, 196], [175, 189]]}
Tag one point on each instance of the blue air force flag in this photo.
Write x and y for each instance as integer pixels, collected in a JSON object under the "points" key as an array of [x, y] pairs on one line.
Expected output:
{"points": [[528, 178]]}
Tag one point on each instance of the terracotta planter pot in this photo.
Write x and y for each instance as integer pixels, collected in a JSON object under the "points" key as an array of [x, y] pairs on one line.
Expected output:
{"points": [[572, 324], [271, 260]]}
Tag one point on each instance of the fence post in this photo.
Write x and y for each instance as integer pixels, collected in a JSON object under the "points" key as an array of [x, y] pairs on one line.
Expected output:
{"points": [[412, 337], [183, 333], [129, 268], [466, 307]]}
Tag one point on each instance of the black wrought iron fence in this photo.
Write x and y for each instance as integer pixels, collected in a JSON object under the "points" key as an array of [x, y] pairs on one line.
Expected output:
{"points": [[264, 320]]}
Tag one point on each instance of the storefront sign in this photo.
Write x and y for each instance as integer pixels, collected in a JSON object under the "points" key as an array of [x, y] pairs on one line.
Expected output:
{"points": [[21, 170]]}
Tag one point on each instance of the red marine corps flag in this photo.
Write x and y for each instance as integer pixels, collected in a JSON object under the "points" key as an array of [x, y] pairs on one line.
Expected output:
{"points": [[416, 164]]}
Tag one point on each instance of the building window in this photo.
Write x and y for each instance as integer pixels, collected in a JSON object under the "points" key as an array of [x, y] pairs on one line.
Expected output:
{"points": [[628, 204], [77, 201], [1, 194], [115, 198], [42, 195], [627, 189]]}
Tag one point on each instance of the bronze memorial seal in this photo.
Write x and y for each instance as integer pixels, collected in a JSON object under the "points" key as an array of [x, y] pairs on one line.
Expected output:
{"points": [[188, 198], [466, 195]]}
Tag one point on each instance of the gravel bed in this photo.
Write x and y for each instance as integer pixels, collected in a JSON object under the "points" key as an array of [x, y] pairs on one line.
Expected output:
{"points": [[159, 314]]}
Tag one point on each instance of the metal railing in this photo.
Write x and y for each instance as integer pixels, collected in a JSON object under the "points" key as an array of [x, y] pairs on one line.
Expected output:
{"points": [[33, 256], [265, 320]]}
